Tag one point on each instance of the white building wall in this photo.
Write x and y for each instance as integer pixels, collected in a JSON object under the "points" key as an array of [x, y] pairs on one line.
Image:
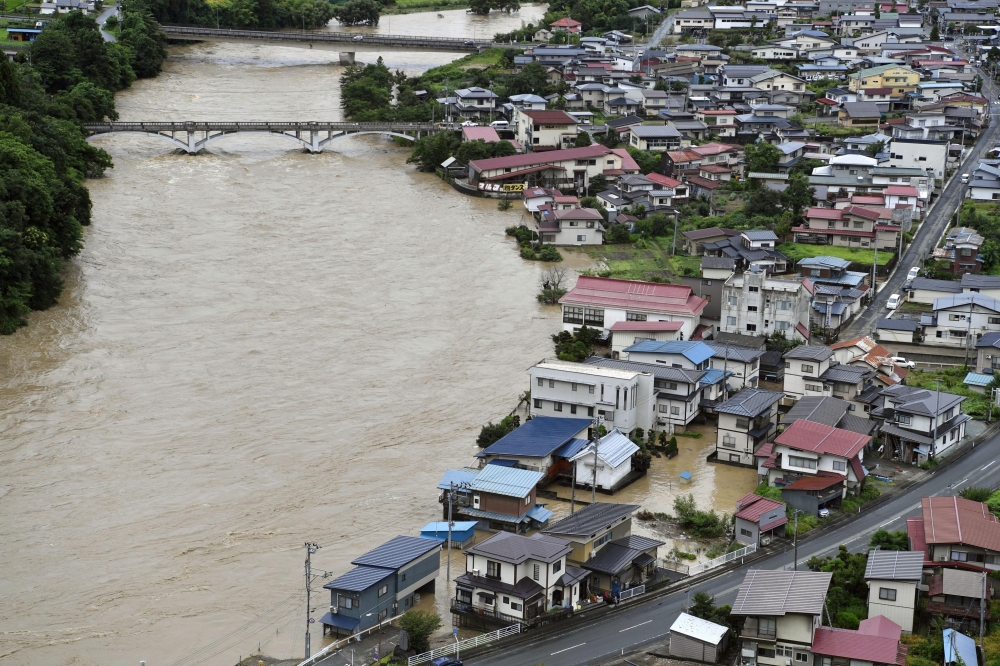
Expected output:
{"points": [[899, 611], [919, 155], [611, 315], [607, 476]]}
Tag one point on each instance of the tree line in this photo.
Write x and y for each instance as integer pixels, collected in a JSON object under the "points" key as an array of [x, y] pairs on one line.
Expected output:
{"points": [[44, 156], [264, 14]]}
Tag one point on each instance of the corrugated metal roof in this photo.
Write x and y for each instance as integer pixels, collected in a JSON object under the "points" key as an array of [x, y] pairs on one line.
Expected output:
{"points": [[810, 353], [698, 629], [538, 437], [894, 565], [959, 646], [617, 555], [456, 476], [396, 552], [360, 579], [539, 514], [693, 350], [780, 592], [614, 448], [735, 352], [750, 402], [976, 379], [818, 409], [508, 481], [658, 371], [752, 507], [591, 518], [953, 520], [908, 325], [963, 300]]}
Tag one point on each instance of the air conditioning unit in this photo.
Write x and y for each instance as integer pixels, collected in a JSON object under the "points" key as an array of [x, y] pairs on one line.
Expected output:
{"points": [[765, 541], [989, 356], [333, 610], [475, 572]]}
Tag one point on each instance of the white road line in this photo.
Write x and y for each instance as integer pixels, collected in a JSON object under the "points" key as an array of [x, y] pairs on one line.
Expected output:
{"points": [[566, 650], [987, 465], [633, 627]]}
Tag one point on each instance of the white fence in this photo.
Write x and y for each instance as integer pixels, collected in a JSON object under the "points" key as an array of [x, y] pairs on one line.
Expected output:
{"points": [[719, 561], [467, 644], [632, 592], [333, 647]]}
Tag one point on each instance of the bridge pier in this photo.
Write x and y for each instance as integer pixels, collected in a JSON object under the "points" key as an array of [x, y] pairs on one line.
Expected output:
{"points": [[347, 58]]}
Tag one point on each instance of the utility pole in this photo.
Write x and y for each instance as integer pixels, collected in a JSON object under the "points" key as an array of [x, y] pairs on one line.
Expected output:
{"points": [[795, 543], [597, 443], [874, 263], [451, 497], [968, 334], [982, 610], [310, 549], [937, 409], [572, 492]]}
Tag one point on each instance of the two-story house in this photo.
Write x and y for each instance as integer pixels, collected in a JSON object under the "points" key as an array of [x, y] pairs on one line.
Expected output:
{"points": [[778, 614], [832, 271], [988, 354], [755, 303], [624, 398], [742, 363], [803, 366], [720, 122], [960, 320], [874, 643], [570, 226], [475, 103], [590, 528], [512, 578], [678, 391], [542, 444], [893, 577], [900, 78], [605, 462], [684, 354], [953, 529], [852, 226], [918, 424], [758, 519], [381, 585], [546, 130], [807, 450], [503, 498], [849, 383], [600, 302], [654, 138], [745, 422]]}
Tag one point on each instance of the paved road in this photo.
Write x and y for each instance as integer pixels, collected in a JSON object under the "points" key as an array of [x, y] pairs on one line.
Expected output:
{"points": [[102, 17], [930, 231], [644, 623]]}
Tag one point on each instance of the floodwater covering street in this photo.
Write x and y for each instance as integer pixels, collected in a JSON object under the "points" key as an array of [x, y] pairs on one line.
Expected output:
{"points": [[256, 348]]}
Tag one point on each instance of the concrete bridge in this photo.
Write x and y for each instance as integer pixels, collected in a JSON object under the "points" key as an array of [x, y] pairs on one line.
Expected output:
{"points": [[347, 43], [192, 137]]}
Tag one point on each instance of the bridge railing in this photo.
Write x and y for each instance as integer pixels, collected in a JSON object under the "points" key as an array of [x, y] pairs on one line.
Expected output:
{"points": [[264, 126], [318, 35]]}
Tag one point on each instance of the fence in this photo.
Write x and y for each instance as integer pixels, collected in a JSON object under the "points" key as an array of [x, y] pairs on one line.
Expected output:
{"points": [[632, 592], [675, 566], [322, 654], [467, 644], [719, 561]]}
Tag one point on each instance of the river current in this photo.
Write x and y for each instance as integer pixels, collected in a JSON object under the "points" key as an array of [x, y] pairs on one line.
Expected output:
{"points": [[256, 348]]}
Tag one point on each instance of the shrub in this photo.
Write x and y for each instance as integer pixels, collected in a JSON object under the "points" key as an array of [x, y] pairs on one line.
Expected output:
{"points": [[701, 524], [549, 253], [504, 205], [491, 432], [975, 493], [522, 233], [419, 625]]}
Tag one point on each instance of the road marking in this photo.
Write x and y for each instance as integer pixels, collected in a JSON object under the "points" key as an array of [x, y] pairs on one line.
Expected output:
{"points": [[987, 465], [566, 650], [633, 627]]}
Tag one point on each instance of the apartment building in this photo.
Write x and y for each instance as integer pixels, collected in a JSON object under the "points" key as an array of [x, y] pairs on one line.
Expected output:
{"points": [[754, 303]]}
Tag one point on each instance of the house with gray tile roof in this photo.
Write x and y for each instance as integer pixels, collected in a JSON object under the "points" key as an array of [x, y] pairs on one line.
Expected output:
{"points": [[623, 563], [893, 577], [803, 366], [918, 424], [782, 603], [593, 526], [512, 578], [746, 420]]}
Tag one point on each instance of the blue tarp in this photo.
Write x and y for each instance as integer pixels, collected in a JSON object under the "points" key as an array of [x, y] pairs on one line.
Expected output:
{"points": [[960, 645]]}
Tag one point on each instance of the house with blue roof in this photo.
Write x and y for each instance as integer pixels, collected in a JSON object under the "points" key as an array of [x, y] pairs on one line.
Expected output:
{"points": [[381, 585], [497, 497], [543, 444], [686, 354]]}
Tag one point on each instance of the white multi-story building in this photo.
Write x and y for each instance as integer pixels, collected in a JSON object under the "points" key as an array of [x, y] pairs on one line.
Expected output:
{"points": [[960, 320], [600, 302], [755, 304], [932, 156], [625, 398]]}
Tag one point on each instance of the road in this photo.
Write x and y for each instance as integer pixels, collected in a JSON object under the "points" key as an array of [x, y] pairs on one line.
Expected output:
{"points": [[931, 229], [104, 16], [595, 642]]}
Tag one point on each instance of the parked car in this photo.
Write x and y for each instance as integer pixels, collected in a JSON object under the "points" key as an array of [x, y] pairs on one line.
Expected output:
{"points": [[899, 360], [445, 661], [500, 124], [470, 123], [914, 272], [358, 38], [893, 302], [965, 178], [824, 512]]}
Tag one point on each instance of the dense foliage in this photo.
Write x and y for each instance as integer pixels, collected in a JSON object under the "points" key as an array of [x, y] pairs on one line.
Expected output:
{"points": [[703, 606], [44, 157], [358, 12], [266, 14], [700, 524], [576, 346], [847, 597], [419, 625], [598, 15], [483, 7], [885, 540]]}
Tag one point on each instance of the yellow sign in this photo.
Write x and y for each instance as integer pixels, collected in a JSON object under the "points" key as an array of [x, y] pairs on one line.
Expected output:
{"points": [[513, 187]]}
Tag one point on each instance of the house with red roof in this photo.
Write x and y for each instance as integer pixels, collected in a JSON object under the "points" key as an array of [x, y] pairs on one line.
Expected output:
{"points": [[601, 302], [875, 642], [956, 530], [566, 24], [567, 170], [809, 450], [759, 519], [545, 130]]}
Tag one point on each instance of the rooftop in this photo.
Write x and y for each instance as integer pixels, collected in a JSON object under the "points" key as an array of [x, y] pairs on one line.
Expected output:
{"points": [[537, 438], [766, 592], [751, 507], [694, 350], [516, 548], [810, 353], [396, 552], [591, 518], [750, 402], [806, 435], [955, 520], [619, 554], [634, 295], [697, 628], [509, 481], [826, 410], [613, 448], [894, 565]]}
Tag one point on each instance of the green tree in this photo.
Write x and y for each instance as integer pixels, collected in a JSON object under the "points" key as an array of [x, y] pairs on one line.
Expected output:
{"points": [[649, 162], [597, 184], [975, 493], [358, 12], [885, 540], [147, 43], [935, 33], [990, 252], [576, 346], [430, 151], [873, 149], [799, 195], [847, 596], [493, 432], [764, 202], [419, 625], [761, 157], [582, 140], [532, 79]]}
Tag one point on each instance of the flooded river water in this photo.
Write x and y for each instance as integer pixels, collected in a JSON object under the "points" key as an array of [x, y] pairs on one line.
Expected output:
{"points": [[256, 348]]}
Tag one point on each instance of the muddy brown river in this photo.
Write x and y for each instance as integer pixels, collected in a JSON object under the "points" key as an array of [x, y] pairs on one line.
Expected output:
{"points": [[257, 348]]}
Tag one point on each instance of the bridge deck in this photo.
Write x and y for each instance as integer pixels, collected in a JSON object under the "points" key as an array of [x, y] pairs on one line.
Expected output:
{"points": [[345, 38], [279, 126]]}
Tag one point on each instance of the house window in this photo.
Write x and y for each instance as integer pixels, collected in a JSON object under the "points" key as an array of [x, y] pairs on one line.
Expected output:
{"points": [[346, 602], [839, 466], [807, 368], [535, 572], [887, 593], [753, 289], [801, 656], [635, 316], [903, 418], [590, 411], [572, 315], [784, 305], [506, 600], [541, 382], [538, 403], [799, 461], [752, 327], [493, 569], [557, 406], [516, 607], [664, 409], [572, 409], [729, 441], [767, 653], [814, 387], [959, 556], [552, 383], [675, 411], [591, 389], [557, 566], [593, 316], [730, 321], [781, 325], [383, 614], [734, 301], [742, 424], [382, 590], [745, 532], [751, 308], [581, 238]]}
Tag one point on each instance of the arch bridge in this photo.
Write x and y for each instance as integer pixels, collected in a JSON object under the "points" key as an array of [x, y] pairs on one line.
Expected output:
{"points": [[192, 137]]}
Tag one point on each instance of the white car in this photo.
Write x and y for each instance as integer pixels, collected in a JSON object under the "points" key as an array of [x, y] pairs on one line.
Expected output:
{"points": [[899, 360], [893, 302], [965, 178], [824, 512], [470, 123], [914, 272], [500, 124]]}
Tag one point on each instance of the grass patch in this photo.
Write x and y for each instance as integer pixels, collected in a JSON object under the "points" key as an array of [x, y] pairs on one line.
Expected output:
{"points": [[976, 404], [797, 251], [630, 262]]}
